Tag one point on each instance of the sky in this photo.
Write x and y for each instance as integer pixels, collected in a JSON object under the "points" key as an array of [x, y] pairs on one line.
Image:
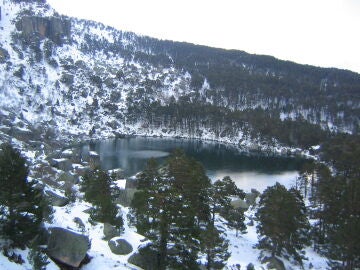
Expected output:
{"points": [[323, 33]]}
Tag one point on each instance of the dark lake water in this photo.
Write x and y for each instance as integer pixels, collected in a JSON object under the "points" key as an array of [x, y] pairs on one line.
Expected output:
{"points": [[247, 170]]}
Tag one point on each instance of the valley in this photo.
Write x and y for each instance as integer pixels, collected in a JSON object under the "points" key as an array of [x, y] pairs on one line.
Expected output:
{"points": [[78, 97]]}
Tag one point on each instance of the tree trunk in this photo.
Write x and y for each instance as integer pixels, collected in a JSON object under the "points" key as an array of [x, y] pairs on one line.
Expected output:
{"points": [[162, 262]]}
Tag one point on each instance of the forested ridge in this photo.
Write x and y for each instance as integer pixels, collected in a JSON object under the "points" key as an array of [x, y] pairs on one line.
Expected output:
{"points": [[233, 90]]}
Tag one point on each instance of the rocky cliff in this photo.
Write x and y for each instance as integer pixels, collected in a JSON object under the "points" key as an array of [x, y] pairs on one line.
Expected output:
{"points": [[53, 28]]}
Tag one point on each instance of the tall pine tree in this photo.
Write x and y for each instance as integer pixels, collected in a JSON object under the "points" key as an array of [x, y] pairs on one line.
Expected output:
{"points": [[21, 204], [96, 185], [151, 210], [338, 197], [172, 208], [283, 224]]}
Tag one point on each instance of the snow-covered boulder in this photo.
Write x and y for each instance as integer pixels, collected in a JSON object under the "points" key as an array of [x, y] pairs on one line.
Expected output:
{"points": [[120, 246], [67, 247]]}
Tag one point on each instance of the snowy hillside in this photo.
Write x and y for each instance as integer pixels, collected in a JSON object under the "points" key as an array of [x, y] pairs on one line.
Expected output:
{"points": [[77, 79]]}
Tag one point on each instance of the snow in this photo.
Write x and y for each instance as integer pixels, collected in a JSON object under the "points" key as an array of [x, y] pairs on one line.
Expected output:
{"points": [[241, 247], [60, 159], [93, 153], [121, 184], [102, 257], [67, 152]]}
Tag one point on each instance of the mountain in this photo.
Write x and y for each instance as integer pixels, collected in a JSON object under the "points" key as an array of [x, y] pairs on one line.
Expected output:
{"points": [[71, 78]]}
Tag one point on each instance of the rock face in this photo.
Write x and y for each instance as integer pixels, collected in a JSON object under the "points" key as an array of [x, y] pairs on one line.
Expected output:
{"points": [[120, 246], [55, 199], [4, 55], [145, 258], [62, 164], [53, 28], [110, 231], [274, 263], [67, 247]]}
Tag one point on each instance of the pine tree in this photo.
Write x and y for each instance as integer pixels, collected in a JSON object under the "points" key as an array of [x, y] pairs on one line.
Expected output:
{"points": [[338, 205], [38, 259], [235, 219], [215, 247], [222, 191], [172, 209], [151, 210], [191, 212], [21, 204], [96, 185], [283, 224]]}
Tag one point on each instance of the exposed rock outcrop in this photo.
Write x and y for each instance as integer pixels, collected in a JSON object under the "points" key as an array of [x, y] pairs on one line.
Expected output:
{"points": [[4, 55], [67, 247], [54, 28]]}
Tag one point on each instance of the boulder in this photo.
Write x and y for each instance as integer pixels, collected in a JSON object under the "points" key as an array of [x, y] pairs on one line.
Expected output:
{"points": [[69, 178], [240, 204], [62, 164], [56, 199], [120, 246], [145, 258], [21, 134], [67, 79], [79, 223], [274, 263], [4, 55], [124, 196], [110, 231], [67, 247], [250, 198]]}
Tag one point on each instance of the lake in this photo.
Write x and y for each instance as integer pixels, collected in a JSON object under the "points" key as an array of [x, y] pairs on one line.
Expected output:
{"points": [[246, 169]]}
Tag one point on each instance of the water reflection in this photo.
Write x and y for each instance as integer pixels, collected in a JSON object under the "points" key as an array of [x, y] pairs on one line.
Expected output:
{"points": [[259, 181], [247, 170]]}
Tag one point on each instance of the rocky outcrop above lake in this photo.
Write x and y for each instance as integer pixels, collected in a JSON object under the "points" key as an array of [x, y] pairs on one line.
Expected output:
{"points": [[54, 28]]}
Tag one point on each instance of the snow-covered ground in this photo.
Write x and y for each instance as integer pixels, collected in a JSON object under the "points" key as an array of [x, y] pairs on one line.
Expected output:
{"points": [[241, 247]]}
